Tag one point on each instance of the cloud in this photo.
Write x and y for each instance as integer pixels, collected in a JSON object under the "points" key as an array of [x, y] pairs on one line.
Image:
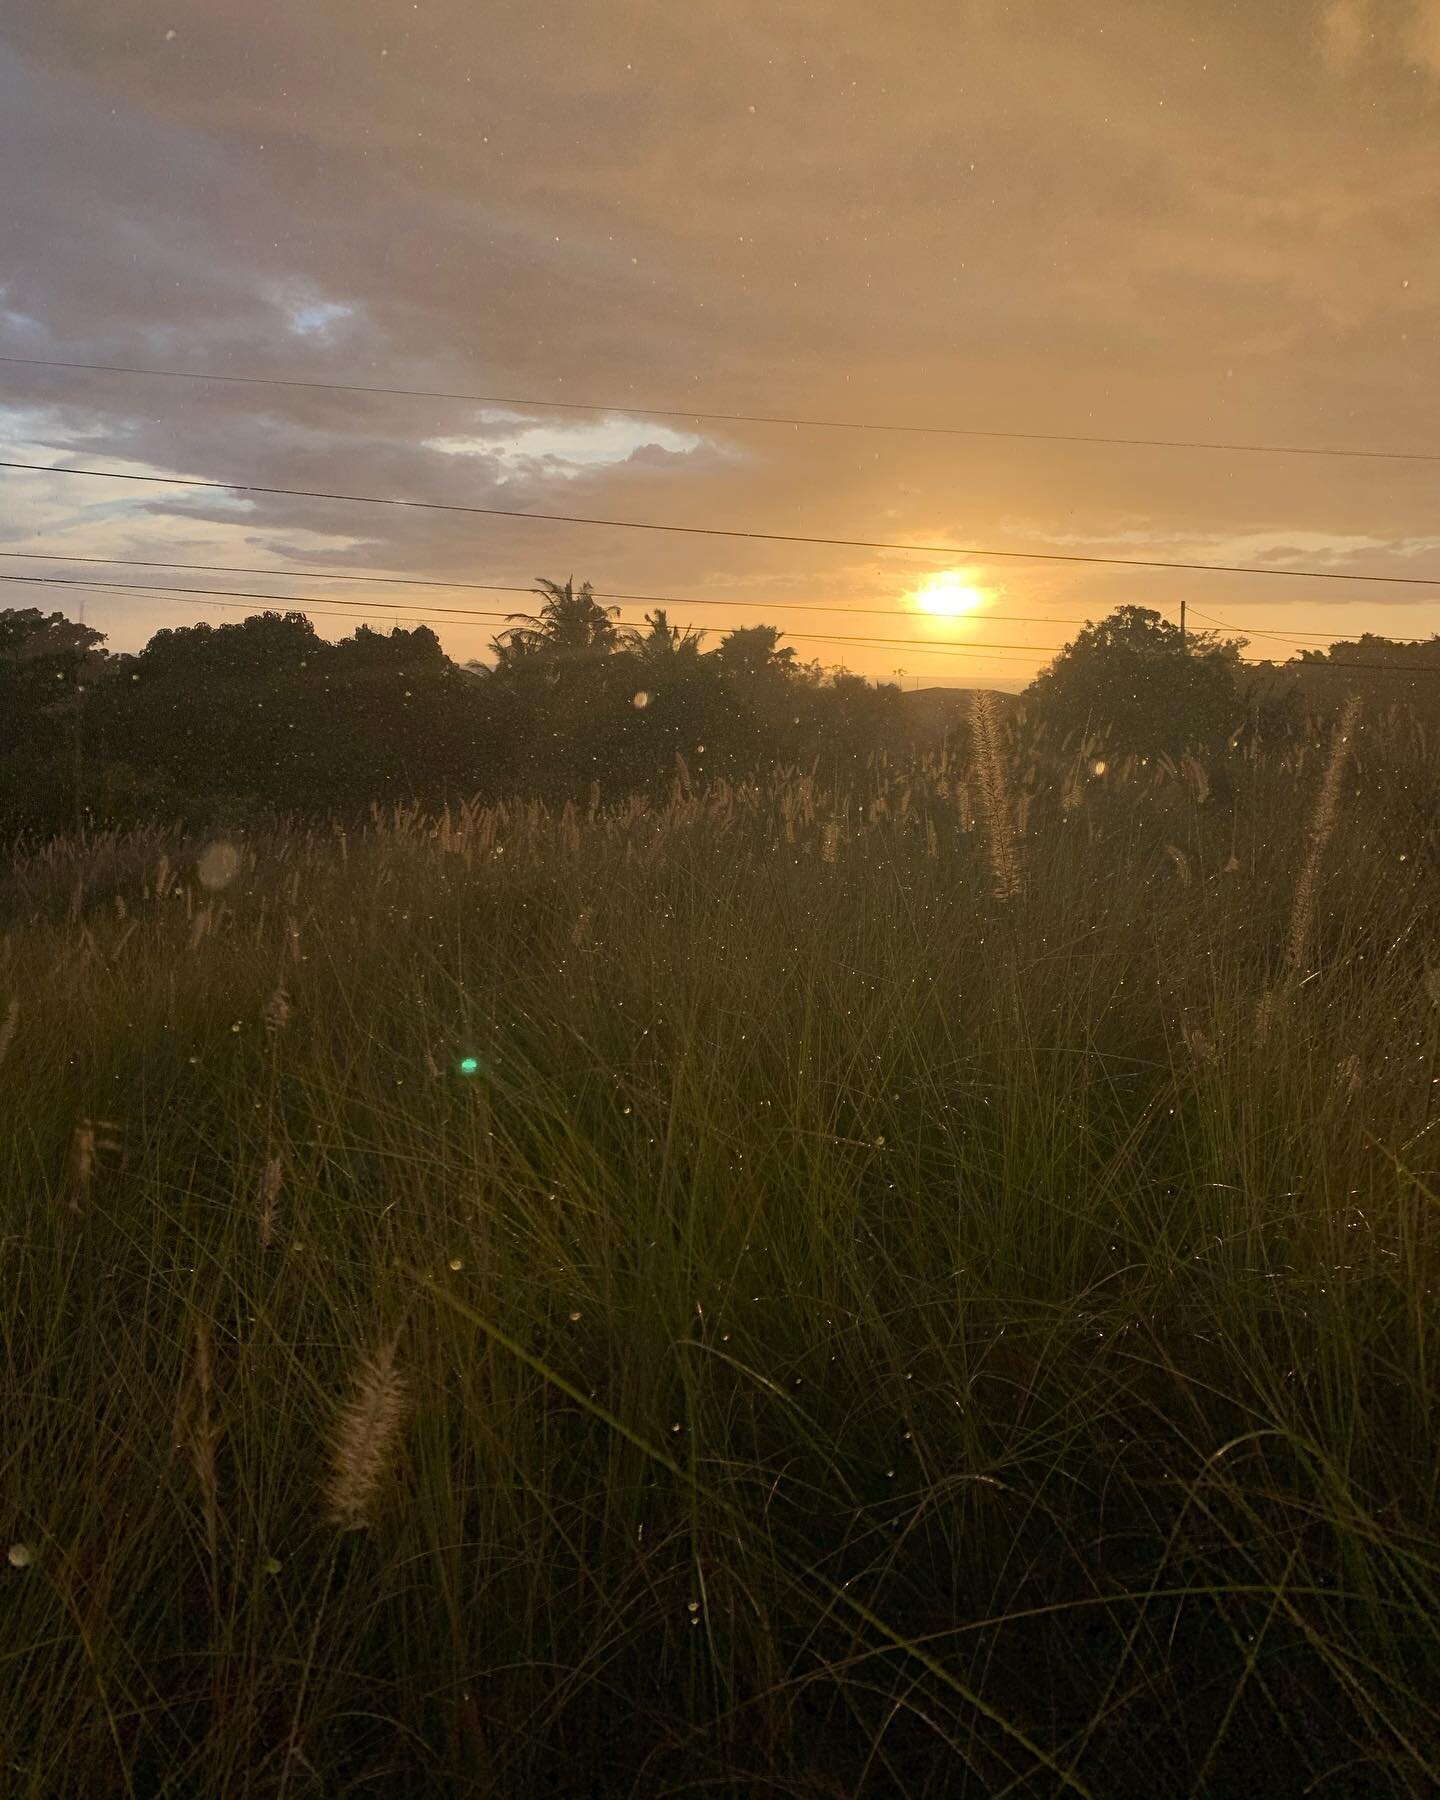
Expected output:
{"points": [[1345, 30], [317, 318], [516, 445], [1424, 35], [1401, 30]]}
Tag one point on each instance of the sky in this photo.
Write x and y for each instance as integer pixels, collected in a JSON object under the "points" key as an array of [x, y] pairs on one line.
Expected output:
{"points": [[1180, 219]]}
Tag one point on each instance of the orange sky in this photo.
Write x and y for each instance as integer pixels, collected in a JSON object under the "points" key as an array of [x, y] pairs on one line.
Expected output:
{"points": [[1184, 220]]}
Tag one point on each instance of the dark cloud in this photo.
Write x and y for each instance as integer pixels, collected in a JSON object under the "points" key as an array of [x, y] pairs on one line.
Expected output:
{"points": [[1193, 220]]}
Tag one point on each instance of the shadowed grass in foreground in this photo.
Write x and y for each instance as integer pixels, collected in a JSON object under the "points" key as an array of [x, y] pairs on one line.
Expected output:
{"points": [[714, 1298]]}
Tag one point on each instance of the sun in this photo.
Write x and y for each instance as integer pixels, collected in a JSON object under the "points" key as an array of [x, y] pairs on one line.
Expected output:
{"points": [[948, 595]]}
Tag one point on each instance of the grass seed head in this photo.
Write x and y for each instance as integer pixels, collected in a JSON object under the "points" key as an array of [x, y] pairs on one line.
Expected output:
{"points": [[365, 1439], [277, 1012]]}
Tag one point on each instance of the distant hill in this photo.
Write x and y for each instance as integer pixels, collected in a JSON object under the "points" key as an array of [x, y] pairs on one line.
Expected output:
{"points": [[934, 711]]}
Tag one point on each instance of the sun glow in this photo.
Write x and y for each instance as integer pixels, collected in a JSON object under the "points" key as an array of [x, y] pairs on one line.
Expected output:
{"points": [[948, 595]]}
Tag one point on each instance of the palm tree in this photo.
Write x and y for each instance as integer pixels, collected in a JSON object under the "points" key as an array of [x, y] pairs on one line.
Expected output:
{"points": [[571, 623], [664, 646]]}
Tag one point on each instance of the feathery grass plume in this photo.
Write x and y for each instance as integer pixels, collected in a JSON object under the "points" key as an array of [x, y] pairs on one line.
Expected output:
{"points": [[1267, 1013], [995, 794], [269, 1195], [1196, 778], [7, 1028], [364, 1440], [277, 1012], [830, 842], [1181, 862], [1201, 1047], [1432, 985], [83, 1147], [200, 930], [1322, 825], [1350, 1073]]}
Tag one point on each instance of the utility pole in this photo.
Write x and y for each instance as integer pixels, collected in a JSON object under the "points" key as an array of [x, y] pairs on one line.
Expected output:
{"points": [[77, 700], [1182, 621]]}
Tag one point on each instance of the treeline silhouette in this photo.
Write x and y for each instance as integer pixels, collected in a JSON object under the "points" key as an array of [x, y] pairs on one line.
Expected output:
{"points": [[263, 717], [266, 716]]}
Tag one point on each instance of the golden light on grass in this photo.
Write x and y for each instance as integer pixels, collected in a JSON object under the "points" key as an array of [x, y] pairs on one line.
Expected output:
{"points": [[948, 595], [995, 794]]}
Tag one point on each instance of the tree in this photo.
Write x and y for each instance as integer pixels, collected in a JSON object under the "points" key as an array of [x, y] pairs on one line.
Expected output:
{"points": [[664, 647], [571, 624], [1143, 685], [46, 661], [752, 650]]}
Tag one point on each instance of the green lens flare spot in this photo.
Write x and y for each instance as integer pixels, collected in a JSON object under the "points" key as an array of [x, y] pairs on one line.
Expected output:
{"points": [[469, 1065]]}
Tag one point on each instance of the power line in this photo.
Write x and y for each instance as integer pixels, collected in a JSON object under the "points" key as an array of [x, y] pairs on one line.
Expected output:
{"points": [[495, 587], [720, 531], [1288, 637], [338, 607], [363, 609], [729, 418]]}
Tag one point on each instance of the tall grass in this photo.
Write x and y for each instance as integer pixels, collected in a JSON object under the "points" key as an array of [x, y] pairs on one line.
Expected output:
{"points": [[785, 1316]]}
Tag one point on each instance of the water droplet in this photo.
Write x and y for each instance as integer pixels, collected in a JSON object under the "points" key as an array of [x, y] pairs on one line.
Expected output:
{"points": [[218, 865], [574, 1318], [20, 1556], [455, 1263]]}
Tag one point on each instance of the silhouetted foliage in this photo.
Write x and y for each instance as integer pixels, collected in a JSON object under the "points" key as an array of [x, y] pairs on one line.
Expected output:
{"points": [[1139, 683], [571, 624], [47, 662], [247, 720]]}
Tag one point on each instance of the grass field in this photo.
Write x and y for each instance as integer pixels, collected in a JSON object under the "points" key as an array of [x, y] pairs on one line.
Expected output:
{"points": [[753, 1294]]}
